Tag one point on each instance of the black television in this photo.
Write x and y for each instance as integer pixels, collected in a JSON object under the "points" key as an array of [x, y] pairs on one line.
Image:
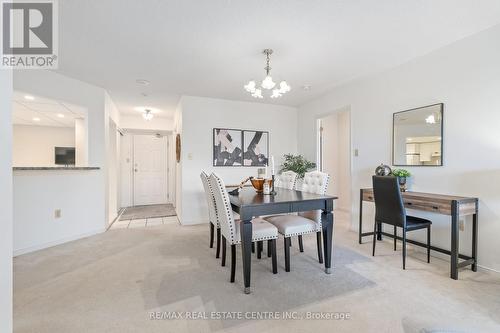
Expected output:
{"points": [[65, 155]]}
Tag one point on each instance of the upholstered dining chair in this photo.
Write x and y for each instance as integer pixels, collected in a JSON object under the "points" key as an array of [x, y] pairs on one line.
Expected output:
{"points": [[389, 209], [230, 228], [305, 222], [286, 180], [212, 212]]}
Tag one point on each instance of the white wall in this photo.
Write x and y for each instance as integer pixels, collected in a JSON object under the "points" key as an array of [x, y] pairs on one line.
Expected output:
{"points": [[126, 169], [81, 142], [337, 156], [178, 164], [114, 171], [111, 120], [34, 145], [6, 200], [139, 123], [199, 116], [80, 195], [465, 76], [37, 194], [330, 151]]}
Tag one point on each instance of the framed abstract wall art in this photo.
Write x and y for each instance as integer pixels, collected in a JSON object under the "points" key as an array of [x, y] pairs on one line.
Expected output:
{"points": [[255, 148], [227, 147], [236, 147]]}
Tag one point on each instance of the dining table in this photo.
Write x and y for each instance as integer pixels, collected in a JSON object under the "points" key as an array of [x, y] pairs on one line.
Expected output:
{"points": [[250, 204]]}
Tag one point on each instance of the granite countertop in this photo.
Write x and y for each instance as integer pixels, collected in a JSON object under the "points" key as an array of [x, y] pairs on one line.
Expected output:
{"points": [[55, 168]]}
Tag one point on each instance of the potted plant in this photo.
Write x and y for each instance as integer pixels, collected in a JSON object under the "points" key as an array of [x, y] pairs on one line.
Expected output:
{"points": [[402, 175], [298, 164]]}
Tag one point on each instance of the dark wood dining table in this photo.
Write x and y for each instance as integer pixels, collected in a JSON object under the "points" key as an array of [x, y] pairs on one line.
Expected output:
{"points": [[249, 204]]}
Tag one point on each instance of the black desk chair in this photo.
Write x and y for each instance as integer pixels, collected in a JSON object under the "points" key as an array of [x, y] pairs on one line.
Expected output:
{"points": [[389, 209]]}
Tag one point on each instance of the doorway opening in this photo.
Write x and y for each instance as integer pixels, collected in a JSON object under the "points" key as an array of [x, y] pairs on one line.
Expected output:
{"points": [[334, 157], [145, 194]]}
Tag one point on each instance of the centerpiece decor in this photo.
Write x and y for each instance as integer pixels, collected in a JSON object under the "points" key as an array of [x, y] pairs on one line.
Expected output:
{"points": [[298, 164], [402, 175]]}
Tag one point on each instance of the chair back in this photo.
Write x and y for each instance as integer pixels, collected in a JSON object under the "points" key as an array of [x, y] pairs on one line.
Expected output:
{"points": [[286, 180], [209, 195], [389, 207], [315, 182], [224, 210]]}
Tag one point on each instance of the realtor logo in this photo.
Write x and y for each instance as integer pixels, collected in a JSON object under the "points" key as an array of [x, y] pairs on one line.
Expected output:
{"points": [[29, 34]]}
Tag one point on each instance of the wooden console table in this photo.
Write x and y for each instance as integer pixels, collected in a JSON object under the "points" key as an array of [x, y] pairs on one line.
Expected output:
{"points": [[453, 206]]}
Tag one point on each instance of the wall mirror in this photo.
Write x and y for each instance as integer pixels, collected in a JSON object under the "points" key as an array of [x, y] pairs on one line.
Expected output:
{"points": [[418, 137]]}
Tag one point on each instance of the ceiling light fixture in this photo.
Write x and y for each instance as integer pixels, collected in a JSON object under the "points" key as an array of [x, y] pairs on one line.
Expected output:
{"points": [[60, 115], [29, 98], [36, 119], [148, 115], [268, 82]]}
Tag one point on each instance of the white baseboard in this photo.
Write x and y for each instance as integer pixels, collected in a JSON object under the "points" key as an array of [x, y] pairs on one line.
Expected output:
{"points": [[18, 252]]}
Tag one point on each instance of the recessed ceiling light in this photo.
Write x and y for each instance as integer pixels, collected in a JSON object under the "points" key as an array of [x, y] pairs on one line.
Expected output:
{"points": [[306, 87], [29, 97], [142, 82], [60, 115], [36, 119]]}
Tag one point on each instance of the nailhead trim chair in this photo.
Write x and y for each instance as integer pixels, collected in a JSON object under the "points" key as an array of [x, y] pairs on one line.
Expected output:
{"points": [[212, 212], [286, 180], [230, 229], [389, 209], [305, 222]]}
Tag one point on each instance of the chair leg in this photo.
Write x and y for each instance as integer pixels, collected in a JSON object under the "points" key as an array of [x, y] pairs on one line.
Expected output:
{"points": [[269, 248], [259, 249], [217, 253], [428, 244], [287, 254], [273, 254], [395, 235], [320, 247], [223, 251], [233, 262], [374, 238], [253, 247], [301, 244], [404, 248], [211, 235]]}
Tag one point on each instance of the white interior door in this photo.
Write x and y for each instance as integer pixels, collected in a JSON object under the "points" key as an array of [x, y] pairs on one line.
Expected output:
{"points": [[150, 170]]}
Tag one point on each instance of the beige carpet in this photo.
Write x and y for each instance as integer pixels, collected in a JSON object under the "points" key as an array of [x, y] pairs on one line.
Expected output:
{"points": [[114, 281]]}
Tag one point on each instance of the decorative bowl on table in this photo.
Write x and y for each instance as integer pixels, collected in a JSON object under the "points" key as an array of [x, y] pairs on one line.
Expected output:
{"points": [[258, 184]]}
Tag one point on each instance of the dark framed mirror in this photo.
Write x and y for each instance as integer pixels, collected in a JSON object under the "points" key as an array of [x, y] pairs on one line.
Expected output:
{"points": [[418, 136]]}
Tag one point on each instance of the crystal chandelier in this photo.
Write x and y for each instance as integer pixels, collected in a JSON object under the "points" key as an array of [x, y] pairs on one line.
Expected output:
{"points": [[267, 83]]}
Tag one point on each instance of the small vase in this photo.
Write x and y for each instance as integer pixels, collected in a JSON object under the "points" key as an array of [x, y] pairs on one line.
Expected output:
{"points": [[402, 183]]}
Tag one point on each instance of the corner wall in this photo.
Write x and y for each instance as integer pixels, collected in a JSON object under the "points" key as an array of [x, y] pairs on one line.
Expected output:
{"points": [[81, 196], [199, 116], [465, 76], [6, 200]]}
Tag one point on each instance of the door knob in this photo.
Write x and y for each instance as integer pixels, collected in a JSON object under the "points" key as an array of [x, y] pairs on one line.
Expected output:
{"points": [[136, 170]]}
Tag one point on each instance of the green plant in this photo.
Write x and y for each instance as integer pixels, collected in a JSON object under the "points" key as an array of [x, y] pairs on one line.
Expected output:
{"points": [[298, 164], [401, 173]]}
